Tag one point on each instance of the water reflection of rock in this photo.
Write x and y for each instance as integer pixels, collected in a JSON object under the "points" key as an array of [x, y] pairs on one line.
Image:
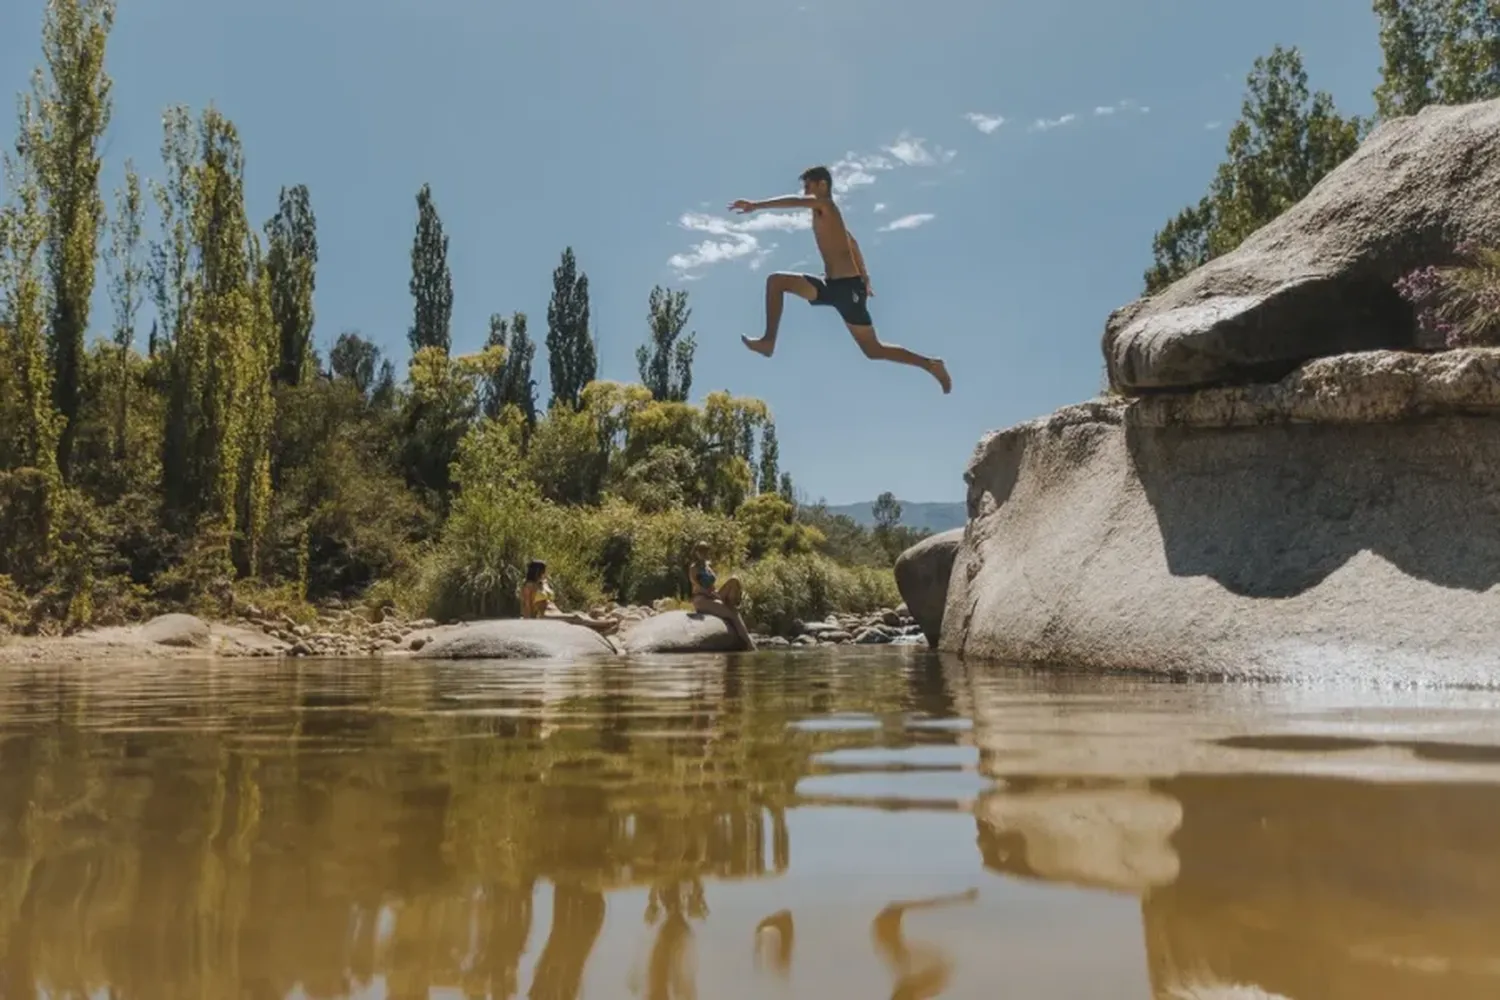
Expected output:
{"points": [[317, 832], [1303, 886]]}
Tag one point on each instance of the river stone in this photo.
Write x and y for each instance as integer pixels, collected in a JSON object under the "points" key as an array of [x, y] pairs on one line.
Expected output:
{"points": [[1317, 280], [514, 639], [680, 632], [922, 574], [1344, 525], [182, 631]]}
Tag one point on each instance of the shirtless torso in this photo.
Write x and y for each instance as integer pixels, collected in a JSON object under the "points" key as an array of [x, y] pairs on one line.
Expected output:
{"points": [[844, 283]]}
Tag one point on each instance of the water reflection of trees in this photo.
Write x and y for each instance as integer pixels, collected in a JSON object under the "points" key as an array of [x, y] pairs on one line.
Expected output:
{"points": [[245, 832]]}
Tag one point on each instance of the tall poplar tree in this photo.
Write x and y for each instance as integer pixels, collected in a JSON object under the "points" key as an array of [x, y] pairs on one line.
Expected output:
{"points": [[665, 361], [70, 105], [571, 357], [127, 274], [512, 385], [291, 269], [431, 280]]}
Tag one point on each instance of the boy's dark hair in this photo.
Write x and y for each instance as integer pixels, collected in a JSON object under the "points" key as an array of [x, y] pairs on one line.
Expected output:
{"points": [[534, 570], [817, 174]]}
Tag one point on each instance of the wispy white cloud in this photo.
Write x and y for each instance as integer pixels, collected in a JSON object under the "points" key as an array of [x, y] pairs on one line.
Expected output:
{"points": [[853, 171], [879, 206], [913, 152], [1212, 126], [1048, 124], [1125, 106], [731, 239], [908, 222], [984, 123]]}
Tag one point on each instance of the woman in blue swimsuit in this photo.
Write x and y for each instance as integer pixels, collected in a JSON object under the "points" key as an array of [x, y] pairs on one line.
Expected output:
{"points": [[719, 601]]}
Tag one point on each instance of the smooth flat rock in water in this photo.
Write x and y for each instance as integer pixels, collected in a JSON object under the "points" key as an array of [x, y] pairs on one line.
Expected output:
{"points": [[1342, 525], [514, 639], [681, 632], [1317, 281], [182, 631], [922, 574]]}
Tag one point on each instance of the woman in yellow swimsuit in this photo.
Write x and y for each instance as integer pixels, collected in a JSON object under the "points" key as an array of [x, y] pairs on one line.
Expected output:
{"points": [[537, 601]]}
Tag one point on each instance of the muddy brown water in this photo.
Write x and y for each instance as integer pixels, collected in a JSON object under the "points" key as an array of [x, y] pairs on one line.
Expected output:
{"points": [[861, 824]]}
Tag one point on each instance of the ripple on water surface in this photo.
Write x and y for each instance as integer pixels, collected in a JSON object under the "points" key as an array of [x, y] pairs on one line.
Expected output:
{"points": [[809, 825]]}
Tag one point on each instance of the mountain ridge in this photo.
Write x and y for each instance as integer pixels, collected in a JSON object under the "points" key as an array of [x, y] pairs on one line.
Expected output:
{"points": [[934, 516]]}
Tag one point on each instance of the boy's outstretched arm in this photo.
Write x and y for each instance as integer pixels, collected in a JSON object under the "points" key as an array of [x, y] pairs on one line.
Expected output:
{"points": [[744, 205]]}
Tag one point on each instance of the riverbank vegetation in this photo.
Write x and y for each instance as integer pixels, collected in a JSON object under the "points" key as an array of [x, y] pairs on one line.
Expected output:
{"points": [[218, 457]]}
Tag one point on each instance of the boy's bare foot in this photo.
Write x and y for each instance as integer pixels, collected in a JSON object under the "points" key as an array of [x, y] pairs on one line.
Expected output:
{"points": [[940, 372], [762, 346]]}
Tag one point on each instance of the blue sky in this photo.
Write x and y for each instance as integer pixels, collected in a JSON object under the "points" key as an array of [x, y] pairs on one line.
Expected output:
{"points": [[623, 128]]}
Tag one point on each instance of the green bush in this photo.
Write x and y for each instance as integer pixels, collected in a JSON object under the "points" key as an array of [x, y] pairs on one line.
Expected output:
{"points": [[786, 589]]}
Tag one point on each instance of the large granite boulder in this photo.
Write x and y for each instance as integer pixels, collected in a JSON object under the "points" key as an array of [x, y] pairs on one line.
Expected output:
{"points": [[514, 639], [680, 632], [922, 574], [181, 631], [1317, 281], [1345, 523]]}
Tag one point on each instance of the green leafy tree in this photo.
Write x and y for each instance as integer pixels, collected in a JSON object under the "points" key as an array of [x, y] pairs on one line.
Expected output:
{"points": [[770, 458], [443, 403], [171, 249], [215, 462], [512, 385], [356, 359], [571, 358], [1285, 141], [291, 264], [29, 422], [70, 106], [787, 490], [887, 512], [1436, 52], [127, 275], [431, 280], [665, 361]]}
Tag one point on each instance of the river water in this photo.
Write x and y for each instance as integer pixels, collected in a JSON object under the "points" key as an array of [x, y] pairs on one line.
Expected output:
{"points": [[895, 824]]}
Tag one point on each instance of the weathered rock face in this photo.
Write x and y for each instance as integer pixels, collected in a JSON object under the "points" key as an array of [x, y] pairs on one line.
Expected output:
{"points": [[1271, 532], [513, 639], [680, 632], [1317, 281], [922, 574]]}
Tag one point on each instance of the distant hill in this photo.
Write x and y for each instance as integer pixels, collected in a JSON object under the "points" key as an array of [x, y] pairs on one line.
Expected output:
{"points": [[934, 517]]}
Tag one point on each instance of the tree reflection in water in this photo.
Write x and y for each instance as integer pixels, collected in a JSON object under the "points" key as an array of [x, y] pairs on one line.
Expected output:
{"points": [[269, 830]]}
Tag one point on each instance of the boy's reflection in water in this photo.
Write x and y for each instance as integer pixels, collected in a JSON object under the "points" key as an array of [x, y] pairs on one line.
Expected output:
{"points": [[921, 971]]}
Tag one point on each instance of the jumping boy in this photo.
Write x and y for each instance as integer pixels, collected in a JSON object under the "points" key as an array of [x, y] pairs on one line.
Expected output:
{"points": [[845, 284]]}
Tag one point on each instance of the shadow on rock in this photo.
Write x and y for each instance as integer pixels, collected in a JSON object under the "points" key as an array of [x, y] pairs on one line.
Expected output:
{"points": [[1272, 512]]}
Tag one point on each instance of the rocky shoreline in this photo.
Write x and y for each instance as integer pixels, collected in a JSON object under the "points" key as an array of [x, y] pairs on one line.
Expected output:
{"points": [[363, 633]]}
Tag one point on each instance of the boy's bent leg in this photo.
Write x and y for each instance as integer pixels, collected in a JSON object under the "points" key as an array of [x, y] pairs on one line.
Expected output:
{"points": [[870, 344], [777, 286]]}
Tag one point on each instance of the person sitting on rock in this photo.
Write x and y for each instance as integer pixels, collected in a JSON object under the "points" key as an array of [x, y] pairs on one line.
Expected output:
{"points": [[538, 601], [720, 601]]}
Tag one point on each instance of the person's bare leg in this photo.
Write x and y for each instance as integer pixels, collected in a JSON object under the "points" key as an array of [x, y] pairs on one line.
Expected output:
{"points": [[778, 285], [873, 349], [921, 973], [709, 606]]}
